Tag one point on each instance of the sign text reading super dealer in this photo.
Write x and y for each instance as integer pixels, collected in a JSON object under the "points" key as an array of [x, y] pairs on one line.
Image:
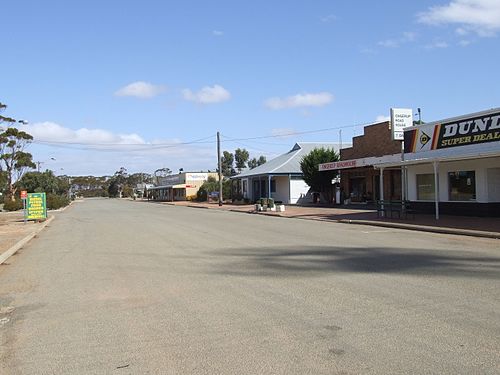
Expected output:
{"points": [[464, 132]]}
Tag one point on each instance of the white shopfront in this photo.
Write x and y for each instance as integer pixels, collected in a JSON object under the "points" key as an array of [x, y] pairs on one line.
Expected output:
{"points": [[453, 166]]}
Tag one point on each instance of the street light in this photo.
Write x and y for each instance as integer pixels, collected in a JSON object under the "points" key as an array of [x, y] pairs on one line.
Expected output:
{"points": [[39, 163], [69, 182]]}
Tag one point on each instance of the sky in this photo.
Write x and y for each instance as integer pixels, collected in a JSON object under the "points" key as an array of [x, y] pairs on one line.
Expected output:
{"points": [[147, 85]]}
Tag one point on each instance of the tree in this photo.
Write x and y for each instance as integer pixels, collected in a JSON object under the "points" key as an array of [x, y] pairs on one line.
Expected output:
{"points": [[3, 181], [253, 163], [113, 189], [209, 186], [241, 156], [117, 183], [8, 120], [227, 160], [319, 181], [56, 187], [139, 178], [13, 158], [90, 186], [36, 182]]}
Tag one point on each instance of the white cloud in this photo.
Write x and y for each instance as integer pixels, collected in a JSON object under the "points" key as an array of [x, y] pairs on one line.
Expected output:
{"points": [[217, 33], [141, 89], [300, 100], [479, 16], [329, 18], [101, 152], [464, 43], [207, 95], [382, 118], [406, 37], [52, 132], [437, 44], [389, 43]]}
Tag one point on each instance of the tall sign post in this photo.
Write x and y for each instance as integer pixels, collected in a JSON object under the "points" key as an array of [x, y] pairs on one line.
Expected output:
{"points": [[36, 204], [219, 163], [401, 118], [24, 195]]}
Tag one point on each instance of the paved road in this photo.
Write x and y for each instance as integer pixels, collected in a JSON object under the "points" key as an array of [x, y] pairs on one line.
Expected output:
{"points": [[120, 287]]}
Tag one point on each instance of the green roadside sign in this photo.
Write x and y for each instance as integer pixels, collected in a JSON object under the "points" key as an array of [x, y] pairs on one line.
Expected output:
{"points": [[36, 206]]}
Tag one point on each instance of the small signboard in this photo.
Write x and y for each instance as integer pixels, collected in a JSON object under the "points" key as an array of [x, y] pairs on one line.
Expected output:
{"points": [[400, 118], [24, 194], [36, 206]]}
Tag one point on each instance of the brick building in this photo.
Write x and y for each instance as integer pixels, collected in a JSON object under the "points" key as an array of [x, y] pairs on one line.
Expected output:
{"points": [[359, 179]]}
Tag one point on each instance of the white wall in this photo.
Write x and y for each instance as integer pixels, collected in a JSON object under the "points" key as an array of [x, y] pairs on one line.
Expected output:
{"points": [[480, 166], [282, 187], [493, 176], [298, 189]]}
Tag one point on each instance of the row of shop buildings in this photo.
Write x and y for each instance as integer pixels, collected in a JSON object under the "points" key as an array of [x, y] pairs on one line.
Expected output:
{"points": [[450, 166]]}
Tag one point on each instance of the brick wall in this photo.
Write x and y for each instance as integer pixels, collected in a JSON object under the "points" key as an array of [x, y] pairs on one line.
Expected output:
{"points": [[375, 141]]}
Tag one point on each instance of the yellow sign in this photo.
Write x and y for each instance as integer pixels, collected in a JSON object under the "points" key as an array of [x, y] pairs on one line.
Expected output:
{"points": [[36, 206]]}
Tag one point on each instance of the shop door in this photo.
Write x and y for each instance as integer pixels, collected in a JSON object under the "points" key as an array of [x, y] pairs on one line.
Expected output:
{"points": [[358, 189]]}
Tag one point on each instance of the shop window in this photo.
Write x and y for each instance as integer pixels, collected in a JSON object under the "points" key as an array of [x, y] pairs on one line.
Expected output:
{"points": [[425, 187], [462, 185]]}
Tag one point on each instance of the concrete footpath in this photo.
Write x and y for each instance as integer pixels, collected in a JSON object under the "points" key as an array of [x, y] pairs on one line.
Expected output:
{"points": [[488, 227]]}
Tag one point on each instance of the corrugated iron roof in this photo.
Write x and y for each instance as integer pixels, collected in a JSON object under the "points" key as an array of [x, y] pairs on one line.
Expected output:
{"points": [[288, 163]]}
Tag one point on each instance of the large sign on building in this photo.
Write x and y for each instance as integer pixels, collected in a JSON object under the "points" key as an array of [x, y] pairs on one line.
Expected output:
{"points": [[338, 165], [196, 176], [359, 163], [400, 118], [478, 129], [36, 206]]}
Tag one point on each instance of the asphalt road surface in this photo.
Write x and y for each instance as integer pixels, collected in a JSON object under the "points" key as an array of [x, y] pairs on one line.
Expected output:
{"points": [[122, 287]]}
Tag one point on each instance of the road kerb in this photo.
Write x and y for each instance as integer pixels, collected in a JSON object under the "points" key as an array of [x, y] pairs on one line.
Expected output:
{"points": [[13, 249], [424, 228]]}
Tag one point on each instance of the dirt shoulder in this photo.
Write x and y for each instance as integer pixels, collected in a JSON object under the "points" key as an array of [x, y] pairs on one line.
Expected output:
{"points": [[13, 229]]}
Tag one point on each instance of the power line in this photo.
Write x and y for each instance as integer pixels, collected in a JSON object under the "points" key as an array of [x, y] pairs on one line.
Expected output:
{"points": [[256, 148], [121, 147], [300, 133], [115, 147]]}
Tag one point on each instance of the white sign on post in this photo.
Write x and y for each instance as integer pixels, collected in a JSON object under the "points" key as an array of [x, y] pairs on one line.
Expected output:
{"points": [[400, 118]]}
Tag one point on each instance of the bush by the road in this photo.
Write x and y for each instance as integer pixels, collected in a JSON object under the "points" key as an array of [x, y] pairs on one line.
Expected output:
{"points": [[55, 201], [10, 205]]}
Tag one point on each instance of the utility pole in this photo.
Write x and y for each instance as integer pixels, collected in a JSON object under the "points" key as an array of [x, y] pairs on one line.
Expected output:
{"points": [[220, 170]]}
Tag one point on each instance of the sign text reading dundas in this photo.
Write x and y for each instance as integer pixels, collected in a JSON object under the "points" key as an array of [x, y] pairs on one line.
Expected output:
{"points": [[471, 131]]}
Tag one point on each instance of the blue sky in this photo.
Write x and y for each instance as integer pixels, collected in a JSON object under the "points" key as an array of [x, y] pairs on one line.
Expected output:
{"points": [[110, 84]]}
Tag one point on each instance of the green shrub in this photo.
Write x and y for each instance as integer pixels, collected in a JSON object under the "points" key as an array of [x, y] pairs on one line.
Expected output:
{"points": [[55, 201], [10, 205]]}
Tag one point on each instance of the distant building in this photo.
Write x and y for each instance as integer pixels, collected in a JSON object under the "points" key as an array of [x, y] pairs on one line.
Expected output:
{"points": [[179, 187]]}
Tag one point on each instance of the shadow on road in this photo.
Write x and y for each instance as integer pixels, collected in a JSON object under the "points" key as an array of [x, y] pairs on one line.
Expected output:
{"points": [[312, 261]]}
